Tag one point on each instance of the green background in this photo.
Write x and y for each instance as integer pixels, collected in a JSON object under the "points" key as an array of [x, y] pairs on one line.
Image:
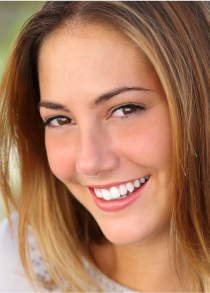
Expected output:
{"points": [[13, 15]]}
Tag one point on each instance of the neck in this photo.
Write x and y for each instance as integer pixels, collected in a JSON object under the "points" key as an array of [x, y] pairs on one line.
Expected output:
{"points": [[146, 266]]}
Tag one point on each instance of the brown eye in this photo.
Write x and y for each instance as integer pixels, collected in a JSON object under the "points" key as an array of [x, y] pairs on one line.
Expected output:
{"points": [[62, 121], [126, 110], [58, 121]]}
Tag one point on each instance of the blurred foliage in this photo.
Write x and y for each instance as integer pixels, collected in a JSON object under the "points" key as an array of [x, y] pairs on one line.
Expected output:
{"points": [[13, 15]]}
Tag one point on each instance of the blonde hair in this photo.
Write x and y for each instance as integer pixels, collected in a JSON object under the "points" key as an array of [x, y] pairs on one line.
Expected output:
{"points": [[175, 37]]}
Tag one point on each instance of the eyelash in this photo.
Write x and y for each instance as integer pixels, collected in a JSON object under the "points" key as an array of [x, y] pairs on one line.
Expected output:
{"points": [[123, 107], [50, 119]]}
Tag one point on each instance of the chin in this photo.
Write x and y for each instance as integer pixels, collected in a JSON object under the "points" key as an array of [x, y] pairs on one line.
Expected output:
{"points": [[124, 239], [130, 234], [125, 235]]}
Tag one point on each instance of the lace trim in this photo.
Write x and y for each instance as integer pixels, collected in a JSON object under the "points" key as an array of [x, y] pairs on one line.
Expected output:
{"points": [[38, 264]]}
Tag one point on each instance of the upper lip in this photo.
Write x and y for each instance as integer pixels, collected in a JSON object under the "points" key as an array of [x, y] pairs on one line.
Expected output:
{"points": [[106, 186]]}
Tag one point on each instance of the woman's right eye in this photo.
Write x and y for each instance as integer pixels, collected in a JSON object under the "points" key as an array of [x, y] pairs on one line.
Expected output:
{"points": [[57, 121]]}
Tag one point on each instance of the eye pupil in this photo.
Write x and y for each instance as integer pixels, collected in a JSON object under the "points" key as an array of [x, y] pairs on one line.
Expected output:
{"points": [[129, 110], [62, 121]]}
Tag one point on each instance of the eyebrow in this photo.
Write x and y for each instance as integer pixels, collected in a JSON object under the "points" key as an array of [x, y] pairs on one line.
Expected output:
{"points": [[98, 101], [52, 106], [116, 92]]}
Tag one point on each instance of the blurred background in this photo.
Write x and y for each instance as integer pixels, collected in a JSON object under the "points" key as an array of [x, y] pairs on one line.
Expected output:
{"points": [[13, 15]]}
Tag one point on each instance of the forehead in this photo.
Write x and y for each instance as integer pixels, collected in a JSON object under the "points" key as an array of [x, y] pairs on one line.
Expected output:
{"points": [[90, 60], [104, 36]]}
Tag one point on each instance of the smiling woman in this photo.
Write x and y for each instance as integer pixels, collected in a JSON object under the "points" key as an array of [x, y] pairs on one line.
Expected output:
{"points": [[89, 148], [107, 104]]}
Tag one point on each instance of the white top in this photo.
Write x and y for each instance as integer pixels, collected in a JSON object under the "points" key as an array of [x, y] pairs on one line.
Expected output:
{"points": [[12, 277]]}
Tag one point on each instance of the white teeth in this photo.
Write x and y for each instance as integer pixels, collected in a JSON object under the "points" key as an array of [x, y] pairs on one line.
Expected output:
{"points": [[129, 186], [120, 192], [106, 195], [99, 194], [96, 192], [137, 183], [123, 189], [114, 191]]}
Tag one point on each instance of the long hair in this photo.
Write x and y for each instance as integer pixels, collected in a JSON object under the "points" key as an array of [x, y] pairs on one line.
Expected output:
{"points": [[175, 38]]}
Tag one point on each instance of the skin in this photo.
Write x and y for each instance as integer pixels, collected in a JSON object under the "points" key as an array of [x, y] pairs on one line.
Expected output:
{"points": [[99, 146]]}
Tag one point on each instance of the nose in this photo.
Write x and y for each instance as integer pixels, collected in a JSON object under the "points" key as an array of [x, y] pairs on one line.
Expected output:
{"points": [[95, 155]]}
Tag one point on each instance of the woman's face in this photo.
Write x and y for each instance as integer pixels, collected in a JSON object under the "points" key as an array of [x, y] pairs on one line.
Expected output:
{"points": [[114, 128]]}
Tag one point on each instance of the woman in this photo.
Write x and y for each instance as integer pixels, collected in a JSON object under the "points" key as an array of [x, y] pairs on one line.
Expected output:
{"points": [[107, 104]]}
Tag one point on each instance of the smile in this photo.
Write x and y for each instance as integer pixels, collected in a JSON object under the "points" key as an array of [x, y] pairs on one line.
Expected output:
{"points": [[120, 191]]}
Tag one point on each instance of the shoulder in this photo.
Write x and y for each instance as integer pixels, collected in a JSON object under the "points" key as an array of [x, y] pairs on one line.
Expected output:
{"points": [[12, 277]]}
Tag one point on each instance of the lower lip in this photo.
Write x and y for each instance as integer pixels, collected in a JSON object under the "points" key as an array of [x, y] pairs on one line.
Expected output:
{"points": [[119, 204]]}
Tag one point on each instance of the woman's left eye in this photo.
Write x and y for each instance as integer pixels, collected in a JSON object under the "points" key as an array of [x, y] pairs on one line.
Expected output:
{"points": [[126, 110]]}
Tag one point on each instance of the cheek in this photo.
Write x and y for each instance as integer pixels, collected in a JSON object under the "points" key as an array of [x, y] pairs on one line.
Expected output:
{"points": [[62, 154], [147, 143]]}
